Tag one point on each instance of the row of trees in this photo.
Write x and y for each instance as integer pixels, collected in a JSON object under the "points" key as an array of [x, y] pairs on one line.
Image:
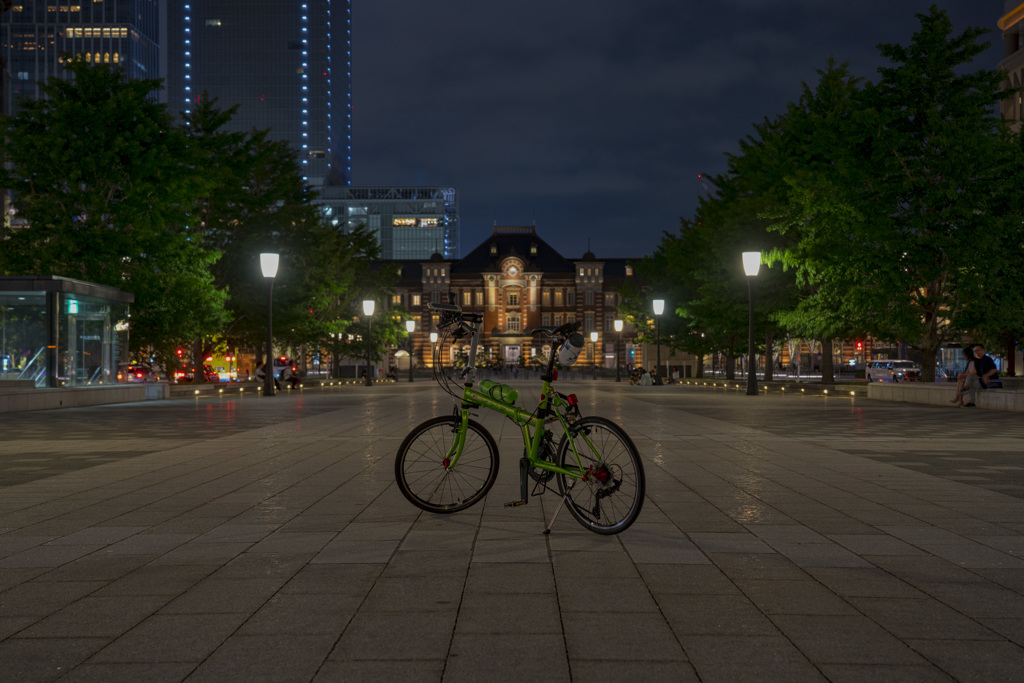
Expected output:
{"points": [[888, 208], [117, 191]]}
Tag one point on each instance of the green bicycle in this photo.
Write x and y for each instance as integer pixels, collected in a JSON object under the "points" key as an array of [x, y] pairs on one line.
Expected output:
{"points": [[449, 463]]}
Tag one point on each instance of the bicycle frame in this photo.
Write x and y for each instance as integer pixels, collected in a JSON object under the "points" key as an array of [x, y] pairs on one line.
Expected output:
{"points": [[550, 402]]}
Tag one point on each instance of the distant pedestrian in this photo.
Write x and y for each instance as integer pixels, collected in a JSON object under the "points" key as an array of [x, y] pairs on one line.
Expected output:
{"points": [[645, 379]]}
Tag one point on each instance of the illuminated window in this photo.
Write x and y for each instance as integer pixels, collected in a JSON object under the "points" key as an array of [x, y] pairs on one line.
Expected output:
{"points": [[629, 270], [494, 249], [558, 297], [428, 222], [466, 298], [533, 249], [416, 300], [403, 221], [479, 298], [213, 22], [558, 319], [545, 319], [513, 298], [545, 297], [513, 322], [396, 299]]}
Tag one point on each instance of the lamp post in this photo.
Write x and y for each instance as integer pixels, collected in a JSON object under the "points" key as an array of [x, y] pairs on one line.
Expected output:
{"points": [[368, 312], [268, 264], [410, 327], [659, 308], [618, 343], [593, 341], [751, 266]]}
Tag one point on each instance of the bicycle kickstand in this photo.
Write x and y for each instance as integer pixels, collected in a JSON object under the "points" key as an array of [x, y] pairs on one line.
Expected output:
{"points": [[557, 510]]}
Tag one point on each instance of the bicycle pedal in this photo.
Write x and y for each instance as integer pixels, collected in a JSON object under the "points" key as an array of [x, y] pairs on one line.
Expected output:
{"points": [[515, 503]]}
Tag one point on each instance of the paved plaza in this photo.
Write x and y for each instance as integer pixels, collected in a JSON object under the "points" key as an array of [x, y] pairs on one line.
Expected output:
{"points": [[789, 538]]}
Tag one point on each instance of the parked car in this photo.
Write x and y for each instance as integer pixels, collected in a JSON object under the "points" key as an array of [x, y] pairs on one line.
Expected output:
{"points": [[186, 374], [893, 371], [129, 373]]}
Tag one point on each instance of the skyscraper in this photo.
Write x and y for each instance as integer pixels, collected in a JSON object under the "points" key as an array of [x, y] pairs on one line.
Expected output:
{"points": [[286, 64], [34, 35]]}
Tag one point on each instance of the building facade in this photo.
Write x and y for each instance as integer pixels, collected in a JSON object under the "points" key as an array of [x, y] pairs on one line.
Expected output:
{"points": [[519, 282], [1012, 26], [34, 35], [287, 65], [410, 222]]}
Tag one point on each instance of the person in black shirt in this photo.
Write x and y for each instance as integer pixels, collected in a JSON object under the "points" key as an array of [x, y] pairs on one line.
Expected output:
{"points": [[986, 375]]}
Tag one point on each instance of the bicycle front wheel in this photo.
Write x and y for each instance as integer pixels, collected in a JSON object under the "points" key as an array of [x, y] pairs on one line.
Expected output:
{"points": [[608, 498], [424, 472]]}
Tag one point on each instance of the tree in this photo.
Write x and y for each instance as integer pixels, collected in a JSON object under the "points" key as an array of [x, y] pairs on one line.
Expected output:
{"points": [[106, 182]]}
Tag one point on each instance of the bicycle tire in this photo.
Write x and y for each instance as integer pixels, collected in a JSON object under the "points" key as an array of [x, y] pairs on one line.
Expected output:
{"points": [[423, 477], [613, 492]]}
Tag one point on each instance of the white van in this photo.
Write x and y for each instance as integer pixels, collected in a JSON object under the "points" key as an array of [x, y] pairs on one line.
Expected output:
{"points": [[893, 371]]}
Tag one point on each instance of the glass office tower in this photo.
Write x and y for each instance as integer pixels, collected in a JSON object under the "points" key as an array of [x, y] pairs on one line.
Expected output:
{"points": [[286, 64], [34, 35]]}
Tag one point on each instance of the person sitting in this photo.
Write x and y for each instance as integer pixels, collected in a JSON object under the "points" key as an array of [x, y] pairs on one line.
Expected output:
{"points": [[986, 376], [961, 379]]}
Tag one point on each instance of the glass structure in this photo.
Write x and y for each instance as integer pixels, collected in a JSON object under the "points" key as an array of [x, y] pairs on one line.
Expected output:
{"points": [[287, 65], [410, 222], [61, 332], [34, 35]]}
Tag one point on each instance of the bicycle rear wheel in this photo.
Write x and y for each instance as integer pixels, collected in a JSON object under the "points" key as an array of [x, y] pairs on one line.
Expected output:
{"points": [[422, 467], [609, 496]]}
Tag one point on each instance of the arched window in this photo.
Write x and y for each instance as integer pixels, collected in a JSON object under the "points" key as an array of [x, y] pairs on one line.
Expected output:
{"points": [[512, 324]]}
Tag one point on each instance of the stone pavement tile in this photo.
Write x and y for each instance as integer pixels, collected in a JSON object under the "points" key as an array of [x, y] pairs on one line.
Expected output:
{"points": [[576, 539], [527, 613], [103, 566], [224, 596], [96, 617], [295, 614], [610, 595], [875, 544], [1008, 578], [869, 582], [773, 596], [11, 625], [971, 555], [368, 671], [842, 525], [187, 524], [732, 615], [375, 531], [920, 570], [872, 673], [593, 564], [41, 599], [512, 550], [158, 580], [745, 543], [396, 636], [45, 659], [427, 563], [921, 618], [11, 544], [453, 542], [270, 658], [1010, 628], [819, 555], [620, 637], [438, 593], [98, 535], [309, 523], [977, 599], [758, 566], [675, 579], [149, 544], [171, 638], [9, 578], [774, 534], [1011, 545], [270, 566], [47, 556], [731, 659], [357, 551], [844, 640], [661, 544], [506, 578], [282, 542], [125, 672], [476, 657], [921, 533], [700, 518], [974, 660], [203, 553], [328, 579], [614, 671]]}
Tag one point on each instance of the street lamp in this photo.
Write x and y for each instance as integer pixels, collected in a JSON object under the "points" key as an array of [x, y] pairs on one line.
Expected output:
{"points": [[618, 343], [659, 308], [368, 312], [268, 264], [410, 327], [751, 266], [593, 341]]}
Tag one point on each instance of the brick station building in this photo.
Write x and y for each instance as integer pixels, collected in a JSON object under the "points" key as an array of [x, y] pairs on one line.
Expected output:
{"points": [[519, 282]]}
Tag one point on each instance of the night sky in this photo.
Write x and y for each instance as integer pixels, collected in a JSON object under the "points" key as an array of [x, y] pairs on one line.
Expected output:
{"points": [[595, 116]]}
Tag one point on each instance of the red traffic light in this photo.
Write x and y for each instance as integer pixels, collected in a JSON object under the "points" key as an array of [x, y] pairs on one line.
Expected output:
{"points": [[860, 346]]}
